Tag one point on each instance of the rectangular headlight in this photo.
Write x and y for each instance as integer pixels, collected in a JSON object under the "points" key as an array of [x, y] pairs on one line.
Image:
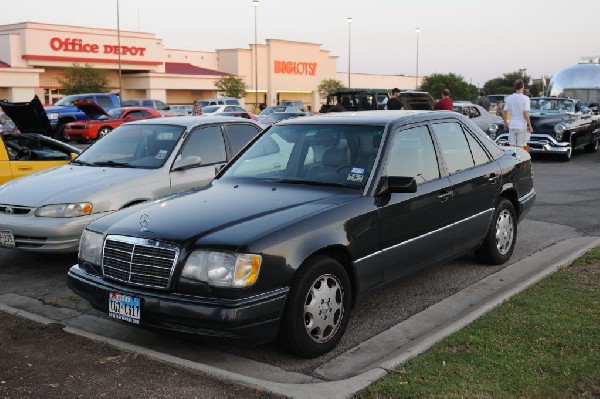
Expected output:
{"points": [[64, 210], [222, 269], [90, 247]]}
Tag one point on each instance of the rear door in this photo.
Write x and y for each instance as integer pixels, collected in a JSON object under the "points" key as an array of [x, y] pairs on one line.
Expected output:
{"points": [[208, 143]]}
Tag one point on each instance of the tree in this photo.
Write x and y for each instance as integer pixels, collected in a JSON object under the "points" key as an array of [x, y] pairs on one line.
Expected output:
{"points": [[231, 86], [328, 86], [506, 84], [84, 79], [459, 88]]}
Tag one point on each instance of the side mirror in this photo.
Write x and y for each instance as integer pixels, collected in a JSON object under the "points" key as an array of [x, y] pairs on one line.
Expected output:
{"points": [[187, 162], [129, 117], [73, 155], [396, 184]]}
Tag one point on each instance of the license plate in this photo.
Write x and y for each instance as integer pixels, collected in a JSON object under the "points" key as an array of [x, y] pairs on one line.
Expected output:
{"points": [[124, 307], [6, 238]]}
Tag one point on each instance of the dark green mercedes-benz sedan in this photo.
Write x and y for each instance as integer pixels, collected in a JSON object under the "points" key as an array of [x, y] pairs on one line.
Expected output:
{"points": [[312, 215]]}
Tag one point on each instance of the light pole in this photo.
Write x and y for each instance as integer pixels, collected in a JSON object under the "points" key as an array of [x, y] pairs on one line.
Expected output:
{"points": [[256, 107], [119, 44], [418, 30], [349, 20]]}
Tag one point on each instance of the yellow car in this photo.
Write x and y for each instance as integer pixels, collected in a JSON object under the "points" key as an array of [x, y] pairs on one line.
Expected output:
{"points": [[24, 153], [31, 150]]}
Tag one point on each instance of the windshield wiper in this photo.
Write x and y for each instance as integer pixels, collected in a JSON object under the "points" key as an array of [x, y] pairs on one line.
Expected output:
{"points": [[114, 164], [79, 162], [318, 183]]}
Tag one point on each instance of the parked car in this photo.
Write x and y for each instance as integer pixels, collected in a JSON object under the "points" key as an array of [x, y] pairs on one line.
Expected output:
{"points": [[368, 100], [560, 125], [31, 150], [239, 114], [146, 102], [99, 126], [296, 103], [137, 162], [278, 108], [219, 101], [63, 111], [279, 116], [182, 109], [490, 123], [285, 249], [215, 109]]}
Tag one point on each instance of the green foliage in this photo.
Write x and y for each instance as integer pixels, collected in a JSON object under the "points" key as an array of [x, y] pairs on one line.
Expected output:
{"points": [[459, 88], [506, 84], [84, 79], [231, 86], [328, 86]]}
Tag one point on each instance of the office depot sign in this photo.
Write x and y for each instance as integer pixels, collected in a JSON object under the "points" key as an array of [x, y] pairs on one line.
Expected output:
{"points": [[74, 45], [296, 68]]}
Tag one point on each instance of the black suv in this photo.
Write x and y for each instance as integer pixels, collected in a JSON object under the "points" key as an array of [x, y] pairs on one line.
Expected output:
{"points": [[366, 100]]}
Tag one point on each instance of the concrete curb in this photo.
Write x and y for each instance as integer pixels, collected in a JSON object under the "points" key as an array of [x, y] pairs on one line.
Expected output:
{"points": [[372, 359]]}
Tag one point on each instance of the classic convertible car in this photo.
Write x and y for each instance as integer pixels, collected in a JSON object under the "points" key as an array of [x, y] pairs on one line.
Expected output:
{"points": [[285, 245], [560, 125]]}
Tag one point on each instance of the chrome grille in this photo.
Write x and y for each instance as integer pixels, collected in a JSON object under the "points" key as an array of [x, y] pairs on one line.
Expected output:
{"points": [[14, 210], [139, 261]]}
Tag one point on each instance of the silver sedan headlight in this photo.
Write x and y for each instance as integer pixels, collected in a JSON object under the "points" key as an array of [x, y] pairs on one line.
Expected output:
{"points": [[64, 210], [559, 130], [222, 269], [90, 247]]}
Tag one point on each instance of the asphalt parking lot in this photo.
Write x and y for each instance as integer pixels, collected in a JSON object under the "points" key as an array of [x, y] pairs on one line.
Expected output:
{"points": [[566, 207]]}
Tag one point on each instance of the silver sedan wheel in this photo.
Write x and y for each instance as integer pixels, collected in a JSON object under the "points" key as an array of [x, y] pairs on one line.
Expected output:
{"points": [[323, 308], [505, 232]]}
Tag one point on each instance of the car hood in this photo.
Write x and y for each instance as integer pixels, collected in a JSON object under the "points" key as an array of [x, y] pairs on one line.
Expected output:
{"points": [[224, 213], [90, 108], [28, 117], [68, 183]]}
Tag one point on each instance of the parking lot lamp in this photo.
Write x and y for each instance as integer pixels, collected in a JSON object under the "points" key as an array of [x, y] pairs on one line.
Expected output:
{"points": [[418, 30], [119, 44], [256, 107], [349, 20]]}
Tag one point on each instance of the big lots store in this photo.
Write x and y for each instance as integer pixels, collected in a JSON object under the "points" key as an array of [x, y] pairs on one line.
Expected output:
{"points": [[33, 57]]}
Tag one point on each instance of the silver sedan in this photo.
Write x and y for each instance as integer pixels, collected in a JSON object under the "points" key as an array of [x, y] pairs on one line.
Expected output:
{"points": [[489, 123], [137, 162]]}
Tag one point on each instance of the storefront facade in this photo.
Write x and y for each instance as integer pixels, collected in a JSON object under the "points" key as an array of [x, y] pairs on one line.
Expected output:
{"points": [[33, 57]]}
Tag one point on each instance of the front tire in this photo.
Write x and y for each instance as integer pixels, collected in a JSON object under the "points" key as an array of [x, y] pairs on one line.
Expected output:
{"points": [[104, 131], [317, 310], [500, 241], [592, 147]]}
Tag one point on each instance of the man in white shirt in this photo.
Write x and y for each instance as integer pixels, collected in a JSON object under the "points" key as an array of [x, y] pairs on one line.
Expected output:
{"points": [[518, 106]]}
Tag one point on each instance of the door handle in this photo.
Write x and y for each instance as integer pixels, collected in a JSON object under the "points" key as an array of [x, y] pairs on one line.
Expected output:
{"points": [[24, 167], [492, 178], [443, 196]]}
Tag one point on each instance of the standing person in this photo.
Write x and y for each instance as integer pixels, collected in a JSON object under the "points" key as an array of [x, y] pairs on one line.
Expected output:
{"points": [[517, 105], [197, 110], [394, 101], [483, 101], [445, 104]]}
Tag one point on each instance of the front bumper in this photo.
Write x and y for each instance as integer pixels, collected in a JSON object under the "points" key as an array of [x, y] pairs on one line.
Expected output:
{"points": [[41, 234], [252, 319], [540, 143]]}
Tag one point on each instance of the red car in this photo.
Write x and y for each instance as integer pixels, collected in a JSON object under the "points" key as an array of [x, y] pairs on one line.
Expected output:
{"points": [[101, 122]]}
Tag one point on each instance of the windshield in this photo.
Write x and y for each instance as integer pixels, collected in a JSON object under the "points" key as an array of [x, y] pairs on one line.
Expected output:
{"points": [[337, 155], [210, 109], [552, 105], [134, 146], [115, 112], [67, 101]]}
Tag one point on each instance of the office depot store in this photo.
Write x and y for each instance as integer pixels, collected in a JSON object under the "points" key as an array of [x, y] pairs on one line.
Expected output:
{"points": [[34, 56]]}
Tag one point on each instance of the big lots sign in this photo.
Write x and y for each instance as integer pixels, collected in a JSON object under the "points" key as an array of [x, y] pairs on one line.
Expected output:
{"points": [[78, 46], [296, 68]]}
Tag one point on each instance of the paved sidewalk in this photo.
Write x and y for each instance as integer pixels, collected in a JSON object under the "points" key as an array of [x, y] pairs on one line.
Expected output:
{"points": [[350, 372]]}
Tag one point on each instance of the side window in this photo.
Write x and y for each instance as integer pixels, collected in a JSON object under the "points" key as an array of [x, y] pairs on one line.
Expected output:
{"points": [[239, 135], [135, 114], [148, 103], [455, 148], [229, 108], [473, 112], [412, 154], [479, 154], [206, 143], [104, 101]]}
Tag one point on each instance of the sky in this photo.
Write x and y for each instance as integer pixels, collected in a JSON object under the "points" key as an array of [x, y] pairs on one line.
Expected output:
{"points": [[478, 40]]}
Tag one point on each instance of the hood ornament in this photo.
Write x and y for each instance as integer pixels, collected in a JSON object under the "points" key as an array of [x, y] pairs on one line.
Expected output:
{"points": [[144, 222]]}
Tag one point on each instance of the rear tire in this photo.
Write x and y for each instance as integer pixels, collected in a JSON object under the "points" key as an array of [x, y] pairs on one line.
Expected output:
{"points": [[317, 310], [502, 235]]}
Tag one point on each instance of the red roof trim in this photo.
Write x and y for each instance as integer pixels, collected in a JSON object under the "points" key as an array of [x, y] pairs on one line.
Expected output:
{"points": [[180, 68], [78, 59]]}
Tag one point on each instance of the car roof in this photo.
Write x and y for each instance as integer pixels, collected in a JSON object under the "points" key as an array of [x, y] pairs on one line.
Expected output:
{"points": [[190, 121], [381, 117]]}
